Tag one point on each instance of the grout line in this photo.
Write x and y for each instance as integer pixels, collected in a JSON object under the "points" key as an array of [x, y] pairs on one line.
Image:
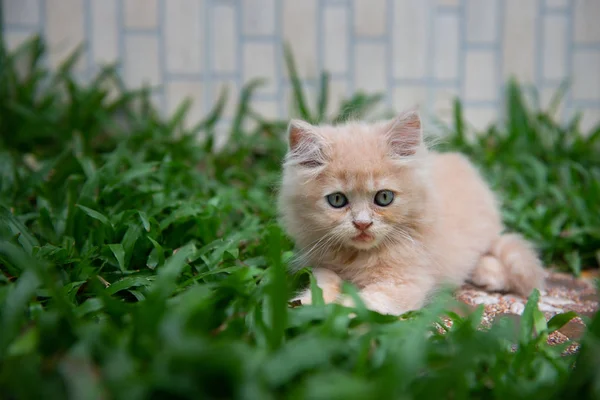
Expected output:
{"points": [[278, 39], [160, 33]]}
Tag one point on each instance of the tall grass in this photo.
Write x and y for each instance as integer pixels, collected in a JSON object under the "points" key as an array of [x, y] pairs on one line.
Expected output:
{"points": [[136, 262]]}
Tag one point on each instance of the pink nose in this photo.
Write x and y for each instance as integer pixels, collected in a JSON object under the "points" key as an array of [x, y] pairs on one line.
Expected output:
{"points": [[362, 225]]}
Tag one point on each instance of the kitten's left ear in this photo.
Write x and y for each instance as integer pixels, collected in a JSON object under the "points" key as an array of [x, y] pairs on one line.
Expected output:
{"points": [[404, 133], [305, 144]]}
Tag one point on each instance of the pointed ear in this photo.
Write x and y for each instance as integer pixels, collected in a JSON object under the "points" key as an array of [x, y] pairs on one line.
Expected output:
{"points": [[404, 133], [305, 144]]}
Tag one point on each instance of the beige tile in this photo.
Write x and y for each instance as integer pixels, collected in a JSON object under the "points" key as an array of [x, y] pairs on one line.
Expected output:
{"points": [[335, 40], [481, 21], [519, 39], [406, 97], [258, 17], [338, 92], [451, 3], [369, 67], [266, 109], [222, 135], [480, 118], [369, 17], [299, 22], [310, 94], [557, 3], [178, 91], [142, 66], [233, 93], [15, 39], [443, 103], [12, 41], [555, 31], [184, 35], [590, 119], [140, 14], [104, 31], [446, 50], [587, 28], [546, 98], [480, 76], [21, 12], [411, 31], [259, 62], [586, 75], [63, 35], [224, 39]]}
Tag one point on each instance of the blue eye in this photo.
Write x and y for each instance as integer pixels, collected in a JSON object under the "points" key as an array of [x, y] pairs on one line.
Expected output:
{"points": [[337, 200], [384, 198]]}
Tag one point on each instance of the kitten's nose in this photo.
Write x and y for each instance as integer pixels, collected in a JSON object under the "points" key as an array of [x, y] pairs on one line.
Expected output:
{"points": [[362, 225]]}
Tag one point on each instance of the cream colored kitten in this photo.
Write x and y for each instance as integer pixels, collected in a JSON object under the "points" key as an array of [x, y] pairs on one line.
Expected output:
{"points": [[370, 204]]}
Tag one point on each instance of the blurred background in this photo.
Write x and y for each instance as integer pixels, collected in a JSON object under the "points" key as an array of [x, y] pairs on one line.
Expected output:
{"points": [[415, 52]]}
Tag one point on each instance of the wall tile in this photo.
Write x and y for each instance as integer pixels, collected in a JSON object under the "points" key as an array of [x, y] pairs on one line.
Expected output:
{"points": [[406, 97], [233, 93], [446, 53], [63, 38], [587, 28], [12, 41], [142, 61], [443, 103], [259, 62], [482, 20], [590, 119], [369, 17], [480, 118], [431, 47], [267, 109], [335, 52], [178, 91], [369, 69], [224, 37], [258, 17], [546, 97], [299, 22], [519, 39], [555, 47], [554, 4], [450, 3], [21, 12], [184, 22], [411, 33], [586, 76], [480, 77], [338, 92], [15, 39], [289, 101], [105, 32], [141, 14]]}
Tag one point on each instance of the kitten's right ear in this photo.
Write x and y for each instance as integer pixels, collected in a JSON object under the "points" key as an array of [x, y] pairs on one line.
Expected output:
{"points": [[304, 144]]}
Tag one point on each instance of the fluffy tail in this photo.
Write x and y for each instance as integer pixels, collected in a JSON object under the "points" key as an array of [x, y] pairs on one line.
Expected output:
{"points": [[511, 265]]}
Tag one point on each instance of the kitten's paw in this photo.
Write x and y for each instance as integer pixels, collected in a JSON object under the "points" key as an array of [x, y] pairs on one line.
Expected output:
{"points": [[373, 301], [305, 298], [345, 301], [490, 275]]}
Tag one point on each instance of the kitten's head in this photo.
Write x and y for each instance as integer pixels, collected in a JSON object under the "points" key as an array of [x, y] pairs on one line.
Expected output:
{"points": [[353, 186]]}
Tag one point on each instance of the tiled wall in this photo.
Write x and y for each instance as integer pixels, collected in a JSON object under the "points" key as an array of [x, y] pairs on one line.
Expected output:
{"points": [[414, 51]]}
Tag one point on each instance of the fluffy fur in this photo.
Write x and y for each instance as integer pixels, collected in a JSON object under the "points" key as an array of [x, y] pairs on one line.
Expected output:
{"points": [[442, 228]]}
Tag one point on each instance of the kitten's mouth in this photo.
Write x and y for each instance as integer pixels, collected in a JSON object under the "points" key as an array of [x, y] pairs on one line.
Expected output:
{"points": [[364, 237]]}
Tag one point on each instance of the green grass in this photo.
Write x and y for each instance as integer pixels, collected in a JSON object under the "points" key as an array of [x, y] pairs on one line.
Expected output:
{"points": [[136, 262]]}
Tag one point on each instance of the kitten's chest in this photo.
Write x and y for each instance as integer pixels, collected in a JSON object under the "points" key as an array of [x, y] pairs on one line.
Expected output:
{"points": [[360, 269]]}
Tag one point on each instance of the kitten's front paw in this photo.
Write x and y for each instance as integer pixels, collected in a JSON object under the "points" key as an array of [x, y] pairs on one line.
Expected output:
{"points": [[304, 298], [374, 301]]}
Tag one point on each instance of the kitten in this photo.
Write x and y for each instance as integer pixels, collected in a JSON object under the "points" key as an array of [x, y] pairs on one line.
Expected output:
{"points": [[370, 204]]}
